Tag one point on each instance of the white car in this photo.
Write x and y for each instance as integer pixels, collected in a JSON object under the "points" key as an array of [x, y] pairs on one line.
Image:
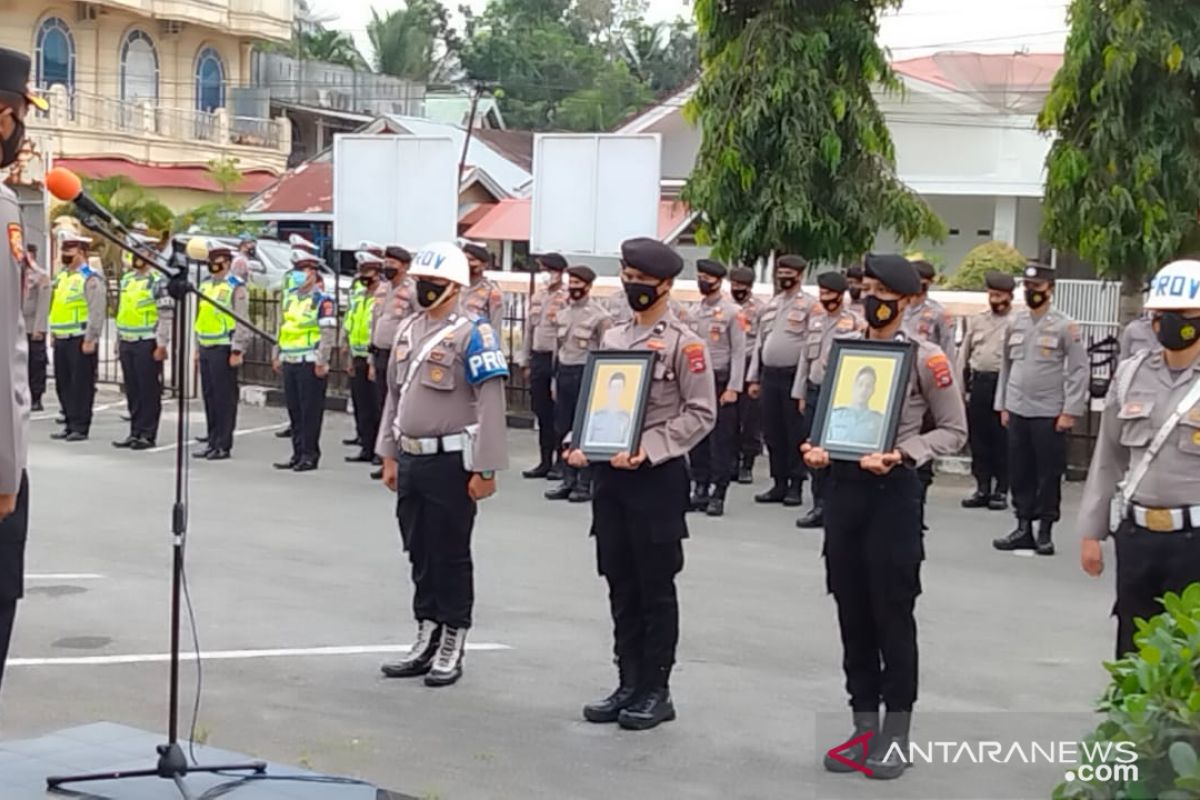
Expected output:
{"points": [[273, 261]]}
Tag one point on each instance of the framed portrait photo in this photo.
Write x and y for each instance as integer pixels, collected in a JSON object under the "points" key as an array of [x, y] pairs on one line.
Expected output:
{"points": [[612, 403], [861, 398]]}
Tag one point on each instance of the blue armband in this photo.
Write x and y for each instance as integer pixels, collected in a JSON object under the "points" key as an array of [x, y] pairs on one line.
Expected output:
{"points": [[485, 360]]}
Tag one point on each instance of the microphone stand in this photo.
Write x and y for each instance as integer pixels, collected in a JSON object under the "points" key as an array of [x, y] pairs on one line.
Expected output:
{"points": [[172, 764]]}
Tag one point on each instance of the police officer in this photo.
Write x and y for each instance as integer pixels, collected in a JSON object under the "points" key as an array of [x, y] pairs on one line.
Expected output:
{"points": [[854, 285], [717, 320], [442, 440], [357, 343], [222, 342], [929, 319], [78, 307], [1138, 335], [246, 252], [395, 300], [749, 409], [483, 297], [293, 279], [641, 499], [145, 315], [536, 357], [15, 100], [306, 339], [1155, 394], [781, 338], [1042, 390], [832, 321], [581, 326], [35, 306], [873, 541], [980, 358]]}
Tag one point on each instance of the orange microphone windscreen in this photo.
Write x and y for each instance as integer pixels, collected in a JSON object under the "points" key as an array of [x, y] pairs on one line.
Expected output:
{"points": [[63, 184]]}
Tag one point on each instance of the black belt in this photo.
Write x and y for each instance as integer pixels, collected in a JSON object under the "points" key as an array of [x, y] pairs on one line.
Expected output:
{"points": [[779, 370]]}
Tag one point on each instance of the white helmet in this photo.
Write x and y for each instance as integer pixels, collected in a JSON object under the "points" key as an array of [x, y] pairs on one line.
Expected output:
{"points": [[441, 260], [1176, 287], [367, 258], [296, 241], [370, 247], [301, 257]]}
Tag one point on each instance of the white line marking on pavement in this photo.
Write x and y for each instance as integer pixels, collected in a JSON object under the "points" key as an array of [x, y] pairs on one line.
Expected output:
{"points": [[276, 427], [231, 655], [54, 412], [65, 576]]}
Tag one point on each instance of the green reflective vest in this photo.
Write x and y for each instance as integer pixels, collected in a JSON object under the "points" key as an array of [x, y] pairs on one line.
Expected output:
{"points": [[358, 320], [68, 303], [213, 327], [300, 332], [137, 314]]}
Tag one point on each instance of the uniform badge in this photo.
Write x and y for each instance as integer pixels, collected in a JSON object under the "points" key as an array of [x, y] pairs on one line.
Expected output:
{"points": [[488, 336], [883, 313], [437, 356], [846, 324], [718, 313], [1196, 438], [694, 353], [939, 367], [656, 344], [15, 242], [437, 374], [1194, 414], [1133, 409], [743, 321]]}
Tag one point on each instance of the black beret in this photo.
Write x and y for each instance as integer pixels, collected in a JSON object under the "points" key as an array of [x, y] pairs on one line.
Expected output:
{"points": [[585, 274], [741, 275], [14, 76], [792, 262], [854, 271], [1000, 281], [553, 261], [651, 257], [477, 251], [397, 253], [709, 267], [1037, 271], [833, 281], [895, 272], [925, 270]]}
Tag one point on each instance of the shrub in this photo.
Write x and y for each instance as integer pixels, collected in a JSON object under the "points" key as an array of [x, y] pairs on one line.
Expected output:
{"points": [[983, 259]]}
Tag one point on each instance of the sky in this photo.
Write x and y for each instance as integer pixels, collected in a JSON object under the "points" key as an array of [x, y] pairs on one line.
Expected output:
{"points": [[921, 27]]}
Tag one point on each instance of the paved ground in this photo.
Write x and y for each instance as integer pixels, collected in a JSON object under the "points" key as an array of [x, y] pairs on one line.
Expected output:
{"points": [[284, 561]]}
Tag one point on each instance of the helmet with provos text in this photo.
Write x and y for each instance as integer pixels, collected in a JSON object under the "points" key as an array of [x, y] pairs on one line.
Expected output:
{"points": [[1176, 287], [441, 260]]}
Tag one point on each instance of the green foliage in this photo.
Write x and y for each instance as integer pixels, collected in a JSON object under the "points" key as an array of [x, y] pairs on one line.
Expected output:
{"points": [[333, 47], [998, 256], [130, 202], [415, 42], [1153, 702], [795, 154], [220, 216], [615, 94], [662, 56], [1123, 176]]}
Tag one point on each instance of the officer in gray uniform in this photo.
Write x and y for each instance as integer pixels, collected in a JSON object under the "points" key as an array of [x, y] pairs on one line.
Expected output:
{"points": [[35, 306], [834, 320], [581, 327], [536, 358], [783, 329], [442, 440], [395, 300], [640, 505], [1137, 336], [873, 541], [483, 298], [717, 320], [1041, 391], [741, 288], [979, 360], [927, 318], [76, 340], [1155, 396], [15, 100]]}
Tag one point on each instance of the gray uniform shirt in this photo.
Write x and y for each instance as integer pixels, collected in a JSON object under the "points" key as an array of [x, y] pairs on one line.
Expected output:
{"points": [[1126, 428], [682, 407], [1043, 368], [719, 322], [782, 332], [483, 300], [392, 305], [35, 305], [1138, 335], [930, 320], [440, 401], [581, 326], [541, 330], [14, 350], [823, 328], [983, 342]]}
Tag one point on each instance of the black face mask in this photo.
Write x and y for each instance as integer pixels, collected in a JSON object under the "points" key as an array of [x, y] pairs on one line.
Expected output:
{"points": [[880, 313], [368, 280], [577, 293], [215, 266], [831, 305], [390, 273], [641, 296], [855, 294], [708, 287], [12, 145], [428, 292], [1035, 299], [1177, 332], [67, 260], [1000, 308], [785, 284], [741, 295]]}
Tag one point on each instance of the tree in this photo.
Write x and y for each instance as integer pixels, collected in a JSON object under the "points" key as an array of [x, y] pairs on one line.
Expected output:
{"points": [[664, 57], [219, 216], [972, 273], [333, 47], [129, 202], [416, 42], [1123, 175], [795, 154], [614, 95]]}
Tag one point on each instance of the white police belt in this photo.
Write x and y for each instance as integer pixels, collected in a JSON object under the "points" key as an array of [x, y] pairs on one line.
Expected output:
{"points": [[302, 358], [432, 445], [1166, 520]]}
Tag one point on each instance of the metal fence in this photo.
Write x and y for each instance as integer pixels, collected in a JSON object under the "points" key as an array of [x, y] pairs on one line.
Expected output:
{"points": [[1095, 305]]}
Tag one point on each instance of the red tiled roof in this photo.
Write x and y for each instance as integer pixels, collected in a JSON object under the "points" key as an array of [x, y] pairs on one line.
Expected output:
{"points": [[162, 176], [307, 189], [509, 220]]}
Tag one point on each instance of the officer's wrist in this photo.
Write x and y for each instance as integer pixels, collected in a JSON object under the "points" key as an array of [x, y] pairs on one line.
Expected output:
{"points": [[487, 474]]}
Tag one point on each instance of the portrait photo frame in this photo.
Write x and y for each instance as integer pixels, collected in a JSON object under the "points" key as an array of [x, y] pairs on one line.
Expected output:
{"points": [[612, 403], [862, 396]]}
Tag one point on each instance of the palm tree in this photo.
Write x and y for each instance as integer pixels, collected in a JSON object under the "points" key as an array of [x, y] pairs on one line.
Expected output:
{"points": [[643, 46], [415, 42], [332, 47]]}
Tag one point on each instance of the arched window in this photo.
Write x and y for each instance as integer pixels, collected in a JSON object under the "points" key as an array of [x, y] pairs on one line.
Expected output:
{"points": [[139, 68], [210, 80], [54, 61]]}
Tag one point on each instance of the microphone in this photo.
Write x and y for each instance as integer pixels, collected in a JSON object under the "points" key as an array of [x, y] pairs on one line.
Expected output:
{"points": [[66, 186]]}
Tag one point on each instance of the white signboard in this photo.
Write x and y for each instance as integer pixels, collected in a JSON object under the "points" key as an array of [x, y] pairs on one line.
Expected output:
{"points": [[593, 191], [394, 189]]}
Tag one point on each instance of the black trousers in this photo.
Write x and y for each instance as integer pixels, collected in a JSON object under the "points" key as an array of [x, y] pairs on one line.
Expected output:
{"points": [[13, 531], [366, 405], [568, 380], [1037, 455], [783, 424], [1148, 566], [219, 388], [989, 446], [638, 521], [713, 459], [143, 387], [541, 374], [305, 395], [873, 554], [820, 477], [75, 375], [380, 359], [437, 517], [37, 368], [749, 424]]}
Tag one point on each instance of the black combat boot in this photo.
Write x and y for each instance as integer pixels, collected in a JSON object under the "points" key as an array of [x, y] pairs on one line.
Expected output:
{"points": [[815, 518], [716, 503], [1045, 542], [447, 666], [864, 722], [420, 653], [998, 500], [699, 500], [889, 756], [652, 708], [773, 495], [746, 471], [540, 471], [1019, 539], [981, 497], [564, 489], [795, 493], [626, 693]]}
